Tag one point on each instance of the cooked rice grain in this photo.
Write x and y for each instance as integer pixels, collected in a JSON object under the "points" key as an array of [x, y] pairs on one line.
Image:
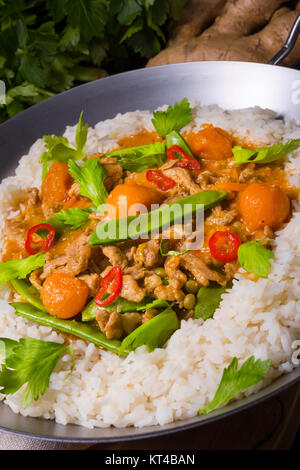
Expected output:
{"points": [[255, 318]]}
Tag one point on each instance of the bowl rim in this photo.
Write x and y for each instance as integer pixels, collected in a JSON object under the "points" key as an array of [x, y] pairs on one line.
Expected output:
{"points": [[190, 423]]}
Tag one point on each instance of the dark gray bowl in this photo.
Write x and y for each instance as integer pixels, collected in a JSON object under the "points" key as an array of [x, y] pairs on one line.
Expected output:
{"points": [[231, 85]]}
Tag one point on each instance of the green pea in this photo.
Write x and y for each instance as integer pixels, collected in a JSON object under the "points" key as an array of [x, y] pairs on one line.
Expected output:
{"points": [[191, 286], [237, 225], [216, 264], [189, 301], [161, 272]]}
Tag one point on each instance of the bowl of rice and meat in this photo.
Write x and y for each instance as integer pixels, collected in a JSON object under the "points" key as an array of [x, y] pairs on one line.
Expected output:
{"points": [[150, 267]]}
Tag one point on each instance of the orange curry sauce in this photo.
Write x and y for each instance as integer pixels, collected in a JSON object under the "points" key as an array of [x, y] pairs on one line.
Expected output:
{"points": [[211, 142]]}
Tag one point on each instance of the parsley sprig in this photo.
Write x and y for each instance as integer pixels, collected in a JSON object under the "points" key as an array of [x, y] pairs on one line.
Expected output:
{"points": [[74, 217], [236, 380], [90, 176], [29, 361], [61, 150], [47, 47], [264, 154], [20, 268], [255, 258], [173, 119]]}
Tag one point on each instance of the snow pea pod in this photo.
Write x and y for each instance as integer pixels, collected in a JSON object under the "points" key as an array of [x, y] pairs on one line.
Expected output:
{"points": [[120, 305], [126, 228], [29, 293], [72, 327], [174, 138]]}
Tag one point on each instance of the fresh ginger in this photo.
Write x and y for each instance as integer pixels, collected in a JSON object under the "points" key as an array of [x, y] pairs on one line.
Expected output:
{"points": [[238, 30]]}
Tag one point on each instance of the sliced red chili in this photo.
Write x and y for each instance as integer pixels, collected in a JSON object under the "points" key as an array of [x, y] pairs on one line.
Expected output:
{"points": [[175, 149], [188, 162], [161, 181], [111, 284], [224, 246], [46, 243]]}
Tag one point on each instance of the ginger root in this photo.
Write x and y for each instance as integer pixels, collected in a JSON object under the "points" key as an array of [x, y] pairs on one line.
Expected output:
{"points": [[238, 30]]}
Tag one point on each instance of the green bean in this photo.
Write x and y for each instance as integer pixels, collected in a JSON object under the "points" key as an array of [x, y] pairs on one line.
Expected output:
{"points": [[191, 286], [189, 301], [72, 327], [28, 292], [126, 228]]}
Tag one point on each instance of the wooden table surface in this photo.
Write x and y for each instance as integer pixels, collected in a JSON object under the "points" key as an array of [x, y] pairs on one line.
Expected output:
{"points": [[271, 425]]}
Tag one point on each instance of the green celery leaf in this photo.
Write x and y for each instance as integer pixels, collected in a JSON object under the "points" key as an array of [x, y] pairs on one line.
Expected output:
{"points": [[56, 9], [98, 52], [90, 176], [140, 158], [60, 149], [14, 108], [135, 27], [22, 33], [235, 381], [6, 347], [254, 257], [26, 90], [31, 69], [176, 7], [70, 38], [158, 12], [173, 119], [89, 15], [81, 135], [145, 43], [115, 6], [264, 154], [129, 11], [74, 216], [154, 333], [208, 300], [30, 361], [20, 268]]}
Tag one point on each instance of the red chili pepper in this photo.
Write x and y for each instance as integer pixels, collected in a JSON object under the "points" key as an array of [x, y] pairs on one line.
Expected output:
{"points": [[188, 162], [46, 243], [224, 246], [161, 181], [111, 284], [175, 149]]}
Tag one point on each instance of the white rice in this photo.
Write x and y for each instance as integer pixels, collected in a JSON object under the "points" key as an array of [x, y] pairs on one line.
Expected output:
{"points": [[255, 318]]}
